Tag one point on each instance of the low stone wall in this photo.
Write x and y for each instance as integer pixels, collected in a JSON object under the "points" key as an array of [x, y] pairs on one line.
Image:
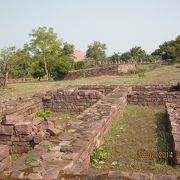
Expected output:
{"points": [[16, 107], [17, 128], [99, 71], [5, 160], [153, 95], [116, 175], [70, 100], [173, 113], [75, 98]]}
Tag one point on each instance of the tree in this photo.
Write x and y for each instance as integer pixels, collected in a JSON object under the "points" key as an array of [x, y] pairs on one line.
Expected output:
{"points": [[115, 57], [126, 56], [96, 51], [61, 66], [68, 49], [6, 56], [37, 70], [169, 51], [79, 65], [46, 45], [21, 63], [137, 54]]}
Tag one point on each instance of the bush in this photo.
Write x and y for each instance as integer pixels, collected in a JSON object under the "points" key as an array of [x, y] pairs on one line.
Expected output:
{"points": [[44, 114], [99, 154], [140, 72], [79, 65]]}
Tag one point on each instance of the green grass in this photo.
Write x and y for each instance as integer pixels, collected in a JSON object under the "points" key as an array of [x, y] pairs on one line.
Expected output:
{"points": [[135, 132], [153, 75]]}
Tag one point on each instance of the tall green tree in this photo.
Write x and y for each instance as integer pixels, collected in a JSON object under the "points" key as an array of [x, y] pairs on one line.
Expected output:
{"points": [[6, 57], [21, 63], [115, 57], [96, 51], [46, 45], [137, 53], [37, 70], [169, 51], [126, 56], [68, 49]]}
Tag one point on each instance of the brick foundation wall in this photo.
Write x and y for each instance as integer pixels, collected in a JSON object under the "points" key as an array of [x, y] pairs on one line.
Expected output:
{"points": [[153, 95], [98, 119], [16, 123], [75, 98], [19, 106], [99, 71], [173, 113], [115, 175]]}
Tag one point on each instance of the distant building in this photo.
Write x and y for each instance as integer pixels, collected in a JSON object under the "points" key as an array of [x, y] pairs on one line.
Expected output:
{"points": [[78, 55]]}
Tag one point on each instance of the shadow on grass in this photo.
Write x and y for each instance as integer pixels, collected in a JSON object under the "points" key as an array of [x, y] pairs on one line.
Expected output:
{"points": [[164, 139]]}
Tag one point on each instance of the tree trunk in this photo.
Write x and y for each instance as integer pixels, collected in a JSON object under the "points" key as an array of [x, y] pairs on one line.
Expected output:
{"points": [[6, 78], [46, 69]]}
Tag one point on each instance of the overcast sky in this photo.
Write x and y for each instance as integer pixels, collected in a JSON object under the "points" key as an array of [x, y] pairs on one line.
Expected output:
{"points": [[121, 24]]}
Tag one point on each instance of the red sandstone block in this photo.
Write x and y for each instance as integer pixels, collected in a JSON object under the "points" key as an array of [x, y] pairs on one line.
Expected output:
{"points": [[6, 130], [5, 164], [14, 138], [23, 128], [5, 137], [13, 119], [39, 137], [4, 152], [26, 138], [20, 149]]}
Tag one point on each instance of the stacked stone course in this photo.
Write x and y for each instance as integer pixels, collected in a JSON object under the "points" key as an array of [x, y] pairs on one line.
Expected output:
{"points": [[173, 113], [75, 99], [153, 95], [99, 71], [19, 128]]}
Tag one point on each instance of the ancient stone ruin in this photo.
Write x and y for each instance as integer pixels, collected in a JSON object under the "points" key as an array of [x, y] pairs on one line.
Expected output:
{"points": [[107, 69], [52, 149]]}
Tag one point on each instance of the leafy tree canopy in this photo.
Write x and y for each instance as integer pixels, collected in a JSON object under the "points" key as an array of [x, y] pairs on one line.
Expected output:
{"points": [[96, 50]]}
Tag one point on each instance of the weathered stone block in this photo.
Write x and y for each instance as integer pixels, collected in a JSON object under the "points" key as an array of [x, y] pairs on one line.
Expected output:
{"points": [[23, 128], [13, 119], [4, 152], [6, 130]]}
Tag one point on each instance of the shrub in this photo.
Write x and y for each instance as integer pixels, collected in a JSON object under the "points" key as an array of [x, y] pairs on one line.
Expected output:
{"points": [[140, 72], [79, 65], [30, 160], [44, 114], [99, 154]]}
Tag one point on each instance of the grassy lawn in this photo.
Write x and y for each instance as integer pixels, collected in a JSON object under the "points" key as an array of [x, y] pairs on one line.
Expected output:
{"points": [[154, 74], [134, 132]]}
